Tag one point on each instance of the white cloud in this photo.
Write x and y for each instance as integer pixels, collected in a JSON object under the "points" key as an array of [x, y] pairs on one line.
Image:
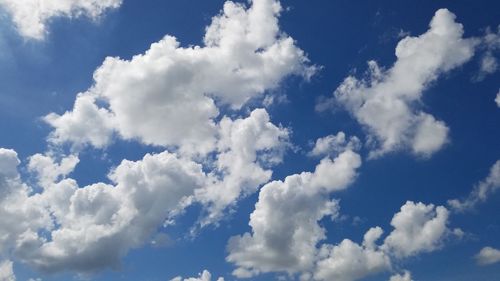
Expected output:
{"points": [[243, 151], [497, 99], [285, 229], [386, 103], [417, 228], [335, 144], [6, 271], [349, 261], [489, 63], [286, 233], [167, 96], [104, 221], [48, 171], [89, 228], [86, 123], [85, 229], [488, 256], [244, 148], [204, 276], [481, 191], [429, 135], [8, 164], [371, 237], [19, 211], [406, 276], [31, 17]]}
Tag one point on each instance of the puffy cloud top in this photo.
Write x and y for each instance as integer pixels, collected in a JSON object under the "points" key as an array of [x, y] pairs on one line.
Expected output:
{"points": [[285, 229], [417, 228], [167, 96], [32, 16], [406, 276], [385, 103], [487, 256], [62, 226]]}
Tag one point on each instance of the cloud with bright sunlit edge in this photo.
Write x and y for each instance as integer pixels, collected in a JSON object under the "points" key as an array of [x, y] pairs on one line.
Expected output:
{"points": [[215, 130]]}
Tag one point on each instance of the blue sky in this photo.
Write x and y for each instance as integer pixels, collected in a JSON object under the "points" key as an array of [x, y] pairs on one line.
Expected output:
{"points": [[211, 132]]}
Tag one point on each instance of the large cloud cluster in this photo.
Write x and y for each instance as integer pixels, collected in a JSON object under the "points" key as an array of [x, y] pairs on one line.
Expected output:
{"points": [[244, 149], [68, 227], [166, 97], [286, 232], [386, 102], [169, 95], [285, 227], [190, 102]]}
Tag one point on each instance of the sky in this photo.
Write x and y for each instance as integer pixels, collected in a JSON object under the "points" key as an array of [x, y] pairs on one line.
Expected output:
{"points": [[249, 140]]}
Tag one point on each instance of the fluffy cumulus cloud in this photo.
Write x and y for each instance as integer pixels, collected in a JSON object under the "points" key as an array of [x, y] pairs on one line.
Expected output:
{"points": [[386, 102], [66, 227], [6, 271], [350, 261], [204, 276], [334, 144], [497, 99], [417, 228], [49, 170], [32, 16], [169, 95], [19, 211], [245, 147], [285, 229], [85, 124], [85, 229], [166, 97], [406, 276], [286, 233], [488, 256], [481, 191]]}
